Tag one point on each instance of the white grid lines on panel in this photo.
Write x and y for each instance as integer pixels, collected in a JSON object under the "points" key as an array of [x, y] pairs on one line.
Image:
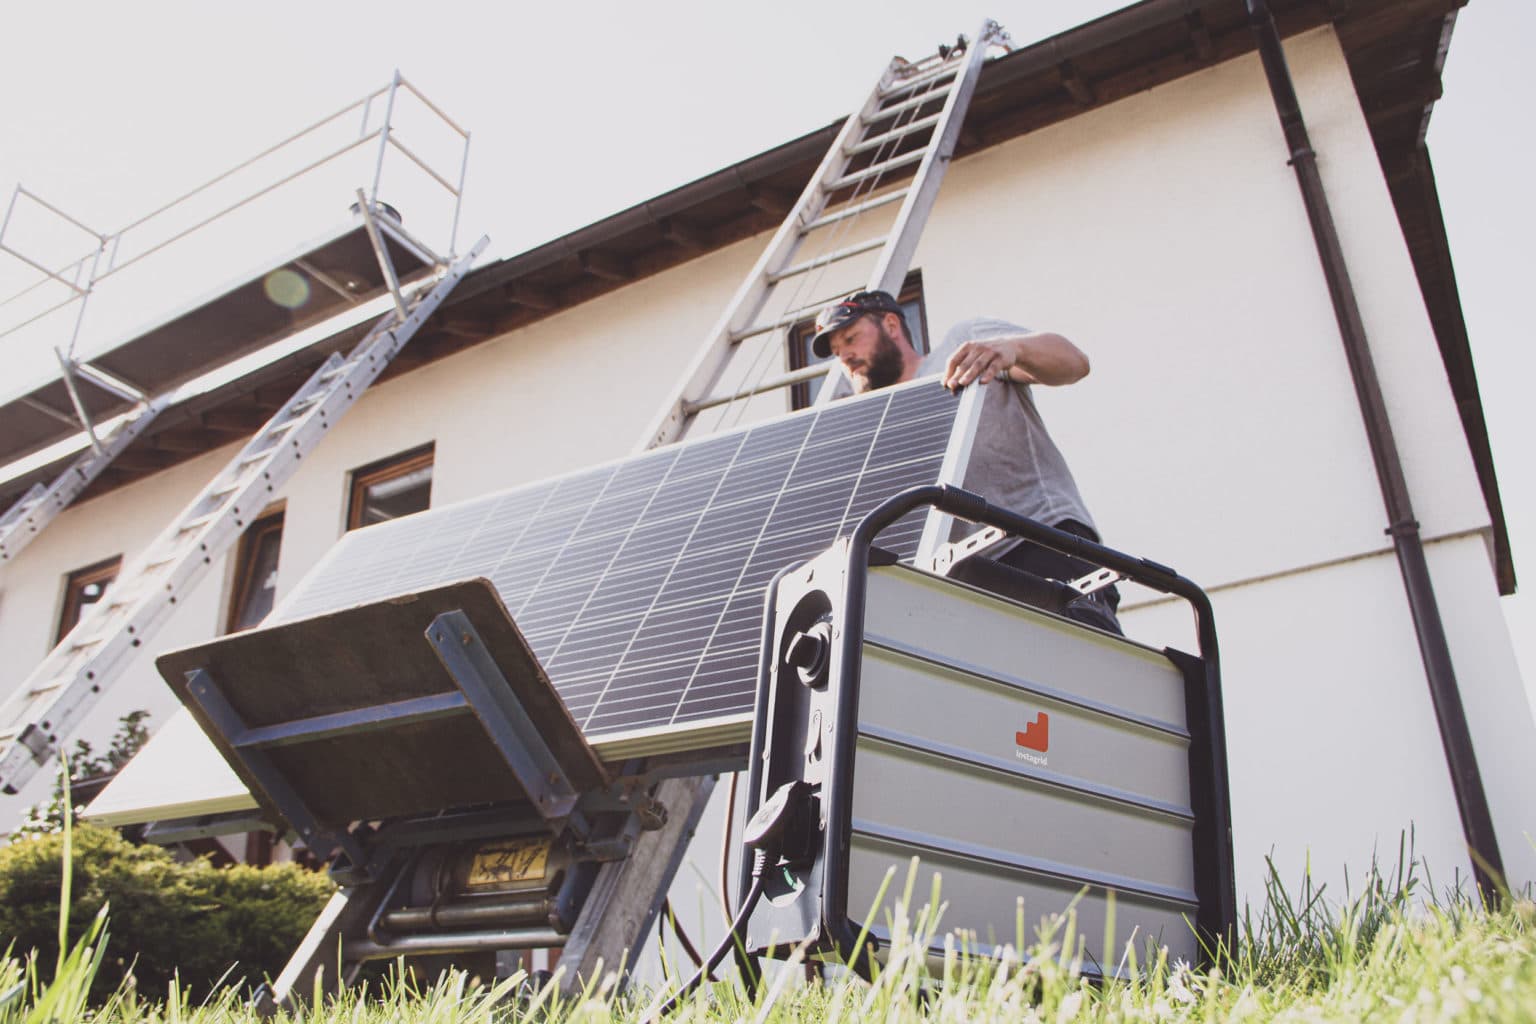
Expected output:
{"points": [[683, 697], [723, 475]]}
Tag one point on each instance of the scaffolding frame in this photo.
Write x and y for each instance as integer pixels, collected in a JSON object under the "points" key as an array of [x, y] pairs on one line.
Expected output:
{"points": [[81, 275]]}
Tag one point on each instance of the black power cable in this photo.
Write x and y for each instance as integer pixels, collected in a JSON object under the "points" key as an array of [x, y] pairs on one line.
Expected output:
{"points": [[765, 834], [669, 916], [732, 936]]}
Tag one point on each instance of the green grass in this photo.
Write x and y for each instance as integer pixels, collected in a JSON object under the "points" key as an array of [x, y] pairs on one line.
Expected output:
{"points": [[1389, 951]]}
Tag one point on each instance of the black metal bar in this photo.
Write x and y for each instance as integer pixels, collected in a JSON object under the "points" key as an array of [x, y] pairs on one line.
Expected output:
{"points": [[321, 841], [350, 723], [965, 505], [1434, 648], [538, 770]]}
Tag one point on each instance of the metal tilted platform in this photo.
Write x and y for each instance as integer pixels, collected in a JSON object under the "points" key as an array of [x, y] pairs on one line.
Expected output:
{"points": [[430, 718]]}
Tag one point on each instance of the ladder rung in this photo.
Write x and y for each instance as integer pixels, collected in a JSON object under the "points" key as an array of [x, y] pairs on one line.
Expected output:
{"points": [[876, 170], [199, 522], [122, 602], [789, 319], [87, 641], [876, 141], [805, 373], [825, 259], [885, 113], [257, 456], [922, 78], [854, 211], [120, 596], [42, 688]]}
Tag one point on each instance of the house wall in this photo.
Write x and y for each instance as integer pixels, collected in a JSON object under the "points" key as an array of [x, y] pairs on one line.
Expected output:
{"points": [[1218, 433]]}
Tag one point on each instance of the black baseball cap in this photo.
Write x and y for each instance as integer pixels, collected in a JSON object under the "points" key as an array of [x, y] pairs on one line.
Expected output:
{"points": [[846, 311]]}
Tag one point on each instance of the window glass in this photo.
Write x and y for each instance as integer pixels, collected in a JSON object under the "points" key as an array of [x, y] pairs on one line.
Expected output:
{"points": [[255, 589], [390, 489], [83, 588]]}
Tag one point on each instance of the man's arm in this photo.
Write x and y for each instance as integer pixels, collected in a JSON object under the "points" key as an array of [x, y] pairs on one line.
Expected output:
{"points": [[1027, 357]]}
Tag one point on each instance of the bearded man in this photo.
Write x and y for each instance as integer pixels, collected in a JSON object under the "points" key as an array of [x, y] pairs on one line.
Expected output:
{"points": [[1014, 463]]}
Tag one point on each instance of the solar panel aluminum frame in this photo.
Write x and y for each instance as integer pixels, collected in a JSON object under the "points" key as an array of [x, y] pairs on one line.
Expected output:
{"points": [[812, 732]]}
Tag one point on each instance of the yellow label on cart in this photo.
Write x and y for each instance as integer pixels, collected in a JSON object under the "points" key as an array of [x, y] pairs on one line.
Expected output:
{"points": [[512, 860]]}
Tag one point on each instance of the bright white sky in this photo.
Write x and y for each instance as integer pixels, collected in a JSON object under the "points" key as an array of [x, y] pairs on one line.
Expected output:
{"points": [[109, 108]]}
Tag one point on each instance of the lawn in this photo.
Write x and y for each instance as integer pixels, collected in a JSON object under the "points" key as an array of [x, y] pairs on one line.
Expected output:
{"points": [[1391, 950]]}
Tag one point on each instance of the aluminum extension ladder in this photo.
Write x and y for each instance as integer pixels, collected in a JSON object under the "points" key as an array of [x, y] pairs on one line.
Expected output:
{"points": [[34, 510], [69, 681], [623, 902], [837, 195]]}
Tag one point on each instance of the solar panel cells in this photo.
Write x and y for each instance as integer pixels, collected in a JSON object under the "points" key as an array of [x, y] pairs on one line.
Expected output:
{"points": [[639, 584]]}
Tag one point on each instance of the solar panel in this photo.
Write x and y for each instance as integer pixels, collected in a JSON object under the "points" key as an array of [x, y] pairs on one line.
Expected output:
{"points": [[639, 584]]}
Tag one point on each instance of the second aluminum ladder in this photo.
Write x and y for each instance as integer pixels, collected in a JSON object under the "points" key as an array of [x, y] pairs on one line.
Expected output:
{"points": [[911, 119]]}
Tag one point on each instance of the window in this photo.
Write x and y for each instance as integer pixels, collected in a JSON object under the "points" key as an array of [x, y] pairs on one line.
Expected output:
{"points": [[800, 335], [83, 588], [255, 589], [391, 488]]}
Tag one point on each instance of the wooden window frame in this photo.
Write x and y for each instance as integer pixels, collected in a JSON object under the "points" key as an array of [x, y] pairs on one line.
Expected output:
{"points": [[270, 520], [797, 336], [104, 572], [383, 471]]}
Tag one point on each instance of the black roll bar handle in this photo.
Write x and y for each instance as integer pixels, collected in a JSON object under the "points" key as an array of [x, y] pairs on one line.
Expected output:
{"points": [[967, 505]]}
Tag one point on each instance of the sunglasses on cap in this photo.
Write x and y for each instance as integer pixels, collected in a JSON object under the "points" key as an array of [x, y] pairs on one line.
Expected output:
{"points": [[846, 311]]}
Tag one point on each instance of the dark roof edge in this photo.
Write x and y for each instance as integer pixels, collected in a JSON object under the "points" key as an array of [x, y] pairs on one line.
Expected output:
{"points": [[1107, 30], [738, 177]]}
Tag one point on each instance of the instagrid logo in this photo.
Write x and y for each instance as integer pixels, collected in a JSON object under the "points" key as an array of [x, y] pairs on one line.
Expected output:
{"points": [[1035, 740]]}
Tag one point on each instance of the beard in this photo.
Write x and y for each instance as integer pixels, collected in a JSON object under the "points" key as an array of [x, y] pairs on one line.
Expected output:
{"points": [[885, 365]]}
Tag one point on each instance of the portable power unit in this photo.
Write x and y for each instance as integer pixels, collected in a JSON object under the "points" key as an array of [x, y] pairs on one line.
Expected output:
{"points": [[1020, 756]]}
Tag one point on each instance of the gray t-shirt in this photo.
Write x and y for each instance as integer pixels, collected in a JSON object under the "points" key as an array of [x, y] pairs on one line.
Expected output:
{"points": [[1014, 463]]}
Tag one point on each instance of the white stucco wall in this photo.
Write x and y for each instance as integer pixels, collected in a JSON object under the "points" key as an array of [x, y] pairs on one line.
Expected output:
{"points": [[1218, 433]]}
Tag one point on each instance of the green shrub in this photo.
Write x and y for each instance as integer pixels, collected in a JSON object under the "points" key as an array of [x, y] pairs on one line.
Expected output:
{"points": [[86, 766], [167, 918]]}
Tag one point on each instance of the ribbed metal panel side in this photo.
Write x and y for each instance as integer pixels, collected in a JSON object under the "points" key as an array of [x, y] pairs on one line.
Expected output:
{"points": [[1019, 757]]}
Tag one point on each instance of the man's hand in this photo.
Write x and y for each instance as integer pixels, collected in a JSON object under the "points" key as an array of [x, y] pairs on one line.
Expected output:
{"points": [[1036, 357]]}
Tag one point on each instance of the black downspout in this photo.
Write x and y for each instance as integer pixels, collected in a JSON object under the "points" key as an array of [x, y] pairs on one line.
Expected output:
{"points": [[1466, 780]]}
